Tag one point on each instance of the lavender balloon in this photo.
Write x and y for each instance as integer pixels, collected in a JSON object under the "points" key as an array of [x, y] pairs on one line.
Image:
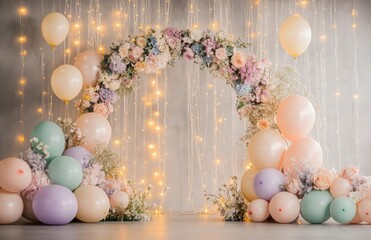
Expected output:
{"points": [[54, 205], [268, 182], [82, 155]]}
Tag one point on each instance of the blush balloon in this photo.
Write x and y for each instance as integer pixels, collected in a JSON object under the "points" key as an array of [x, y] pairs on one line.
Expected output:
{"points": [[247, 185], [364, 210], [258, 210], [340, 187], [15, 175], [11, 207], [119, 200], [88, 63], [284, 207]]}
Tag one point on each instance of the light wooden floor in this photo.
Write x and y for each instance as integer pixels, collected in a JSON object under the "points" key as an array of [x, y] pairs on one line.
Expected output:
{"points": [[179, 227]]}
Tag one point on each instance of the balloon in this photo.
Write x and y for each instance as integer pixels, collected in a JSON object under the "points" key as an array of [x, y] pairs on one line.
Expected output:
{"points": [[93, 203], [119, 200], [304, 149], [55, 27], [340, 187], [15, 175], [343, 210], [54, 205], [266, 149], [295, 35], [284, 207], [315, 206], [82, 155], [364, 210], [88, 63], [295, 117], [247, 185], [28, 211], [52, 135], [95, 128], [268, 182], [357, 218], [66, 82], [258, 210], [65, 171], [11, 207]]}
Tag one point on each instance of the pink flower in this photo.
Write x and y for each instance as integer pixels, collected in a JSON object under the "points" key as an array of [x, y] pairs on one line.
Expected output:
{"points": [[293, 186], [263, 124], [221, 53], [322, 179], [39, 179], [141, 42], [140, 66], [238, 60], [188, 54], [101, 109], [350, 172], [172, 42], [137, 52]]}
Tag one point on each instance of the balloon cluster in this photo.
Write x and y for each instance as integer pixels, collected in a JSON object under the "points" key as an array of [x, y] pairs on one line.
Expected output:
{"points": [[276, 153]]}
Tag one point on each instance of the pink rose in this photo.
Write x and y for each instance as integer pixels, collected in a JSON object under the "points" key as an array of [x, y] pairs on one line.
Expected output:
{"points": [[322, 179], [350, 172], [293, 186], [221, 53], [137, 52], [172, 42], [101, 109], [263, 124], [238, 60], [188, 54]]}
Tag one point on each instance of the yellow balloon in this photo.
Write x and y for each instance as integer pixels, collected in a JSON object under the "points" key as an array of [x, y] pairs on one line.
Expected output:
{"points": [[54, 28], [93, 203], [66, 82], [247, 185], [295, 35]]}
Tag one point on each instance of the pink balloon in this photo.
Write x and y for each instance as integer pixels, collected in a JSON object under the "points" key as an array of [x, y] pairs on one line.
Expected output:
{"points": [[266, 149], [364, 210], [95, 128], [88, 63], [247, 184], [295, 117], [15, 175], [258, 210], [119, 200], [357, 218], [11, 207], [340, 187], [284, 207], [304, 149]]}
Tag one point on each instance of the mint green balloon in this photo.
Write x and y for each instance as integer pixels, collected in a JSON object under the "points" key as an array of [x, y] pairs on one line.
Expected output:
{"points": [[343, 210], [65, 171], [315, 206], [52, 135]]}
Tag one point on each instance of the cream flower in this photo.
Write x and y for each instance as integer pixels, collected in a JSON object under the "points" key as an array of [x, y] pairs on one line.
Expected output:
{"points": [[140, 66], [137, 52], [123, 51], [322, 179], [221, 53], [141, 42], [238, 60], [101, 109]]}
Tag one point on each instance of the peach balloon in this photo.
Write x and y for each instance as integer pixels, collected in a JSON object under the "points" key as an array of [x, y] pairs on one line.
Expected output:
{"points": [[247, 184], [66, 82], [258, 210], [266, 149], [15, 175], [93, 203], [55, 28], [295, 117], [95, 128], [357, 218], [284, 207], [28, 211], [304, 149], [364, 210], [88, 63], [119, 200], [340, 187], [11, 207]]}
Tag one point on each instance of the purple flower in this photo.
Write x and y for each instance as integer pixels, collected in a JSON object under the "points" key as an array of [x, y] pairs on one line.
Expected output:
{"points": [[107, 95], [116, 65]]}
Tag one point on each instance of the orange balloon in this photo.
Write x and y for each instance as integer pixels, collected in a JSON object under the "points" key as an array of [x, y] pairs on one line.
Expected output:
{"points": [[266, 149], [340, 187], [247, 185], [304, 149], [15, 174], [284, 207], [11, 207], [95, 128], [295, 117]]}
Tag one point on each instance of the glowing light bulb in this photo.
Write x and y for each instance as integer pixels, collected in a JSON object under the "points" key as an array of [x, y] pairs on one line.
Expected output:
{"points": [[355, 96], [39, 110], [323, 37], [77, 42], [117, 142], [151, 123], [157, 114], [22, 11], [20, 138], [337, 94], [160, 183], [156, 174], [68, 51], [22, 39], [151, 146], [158, 128], [354, 25], [154, 154], [22, 82], [303, 3], [76, 25]]}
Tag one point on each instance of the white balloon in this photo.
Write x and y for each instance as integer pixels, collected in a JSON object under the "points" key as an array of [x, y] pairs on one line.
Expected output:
{"points": [[55, 28], [295, 35], [66, 82]]}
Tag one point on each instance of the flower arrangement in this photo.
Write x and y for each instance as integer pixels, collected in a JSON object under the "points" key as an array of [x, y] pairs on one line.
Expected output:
{"points": [[72, 133], [230, 202]]}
